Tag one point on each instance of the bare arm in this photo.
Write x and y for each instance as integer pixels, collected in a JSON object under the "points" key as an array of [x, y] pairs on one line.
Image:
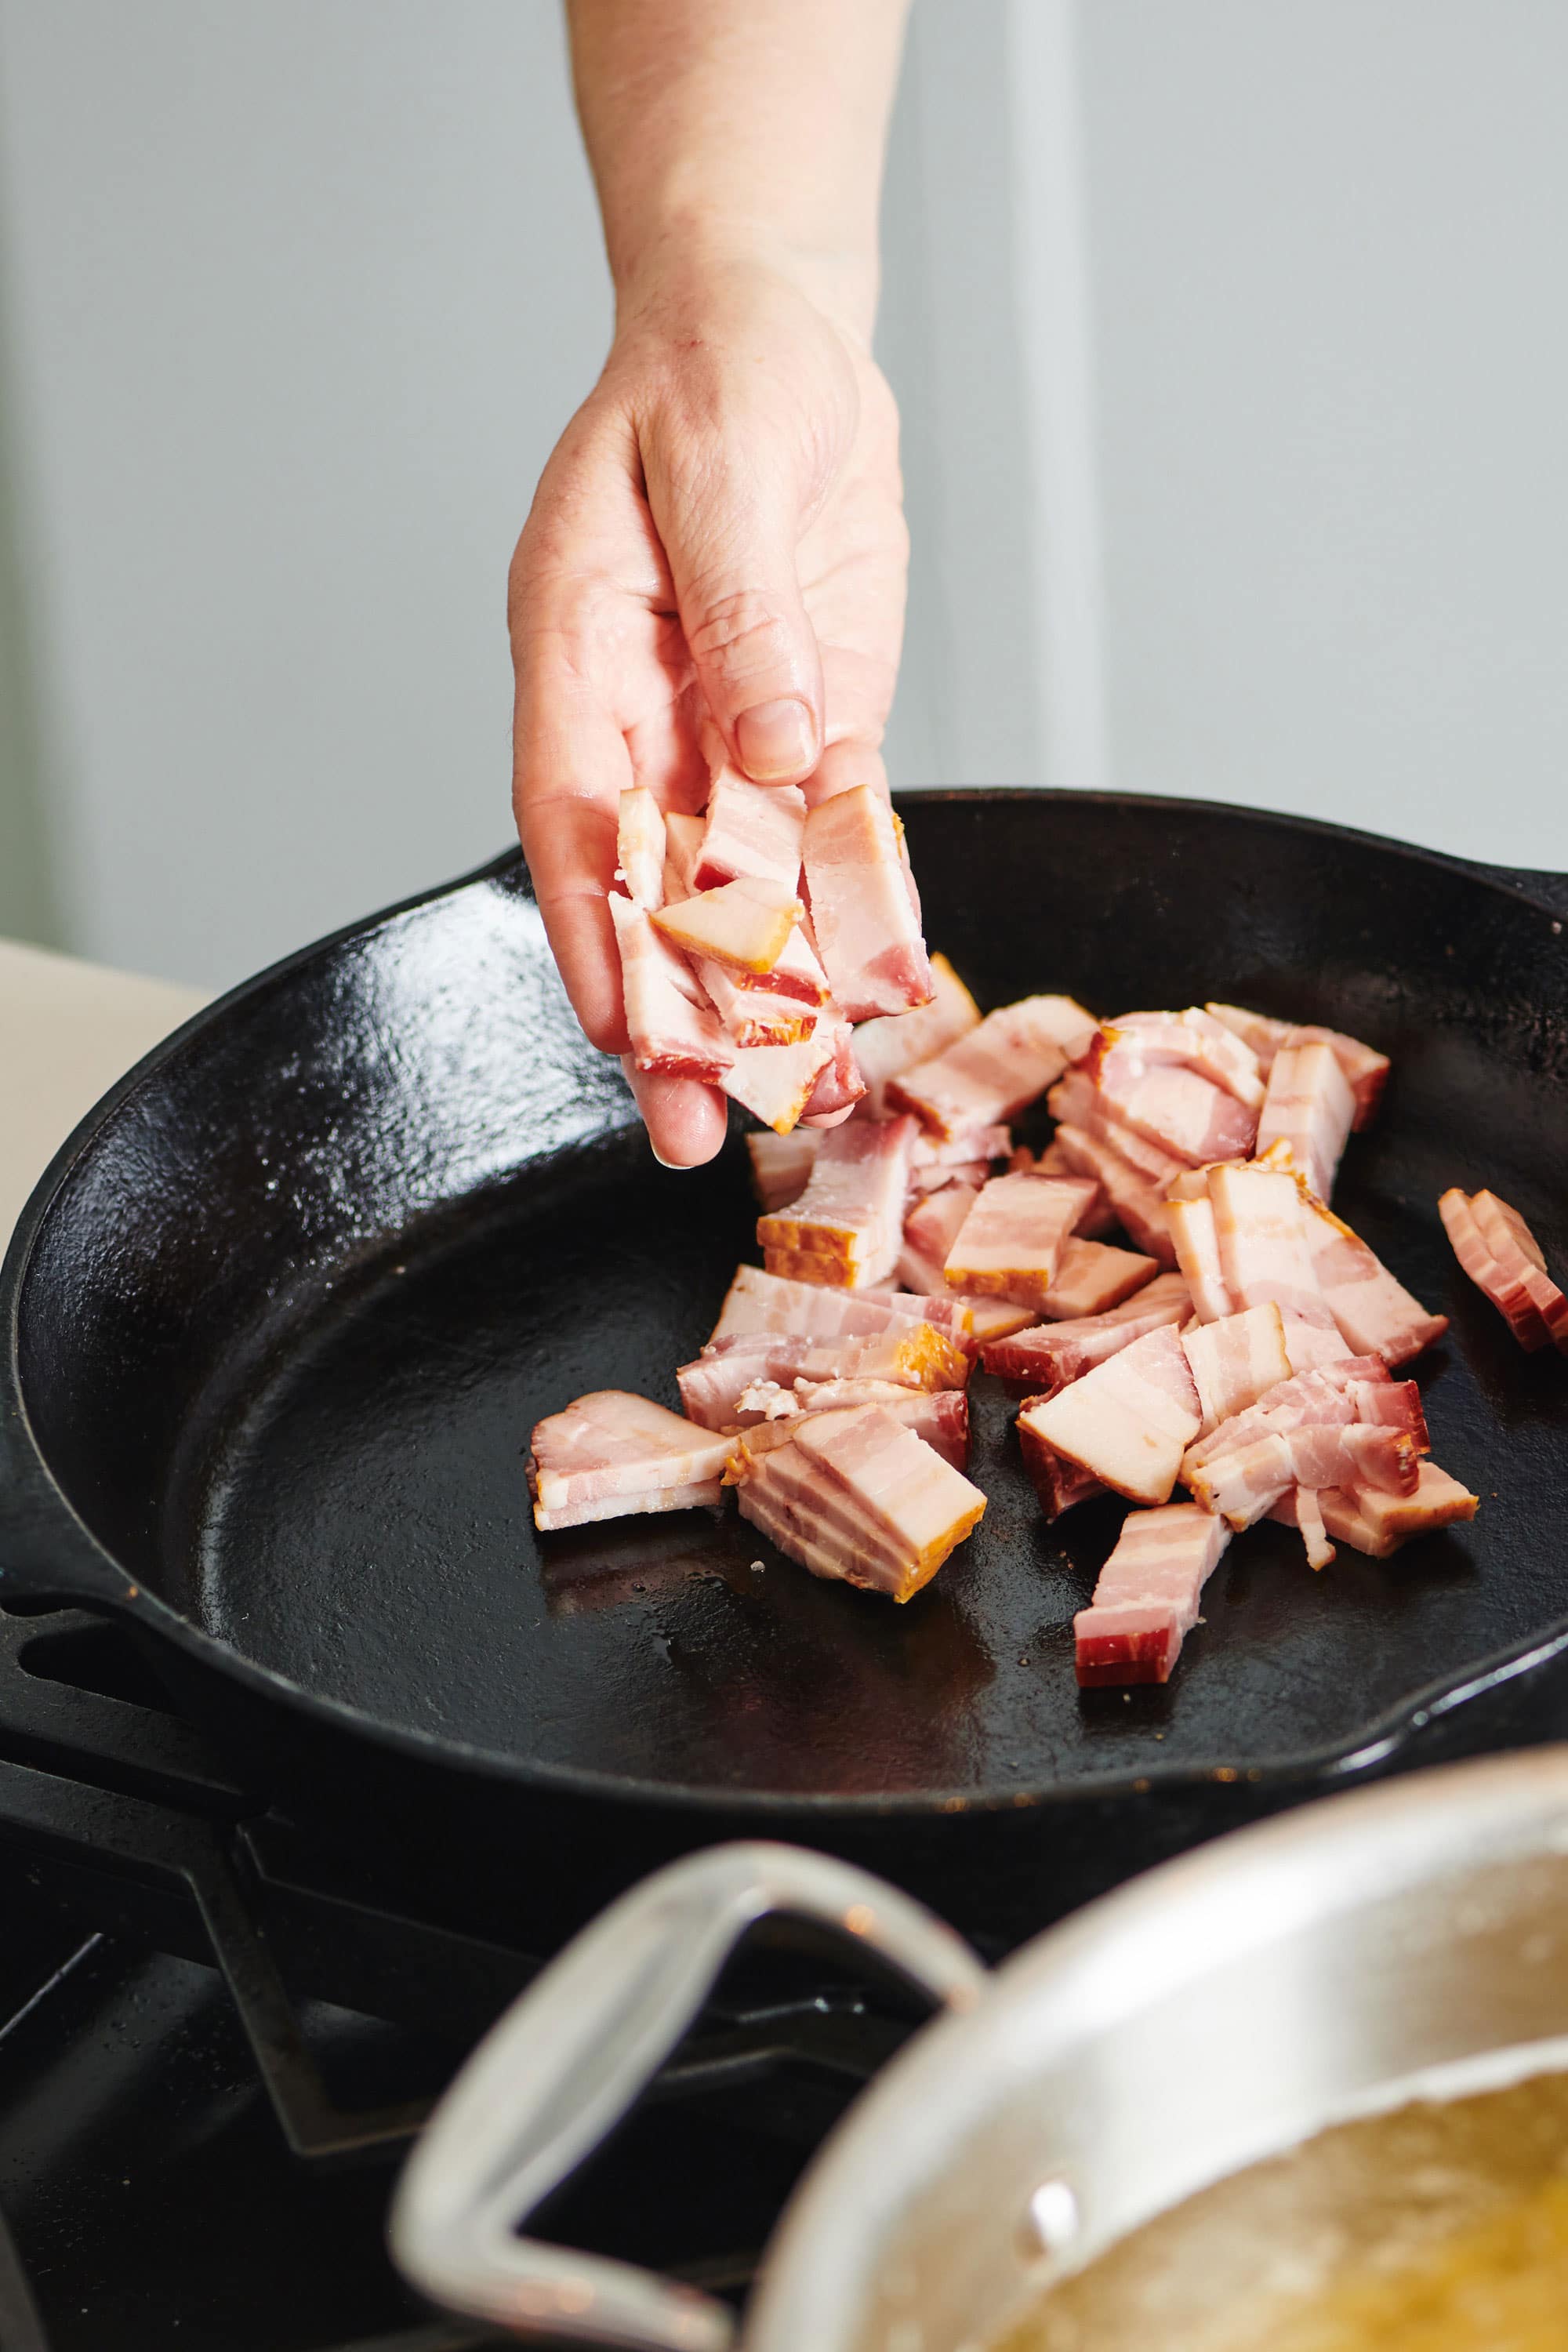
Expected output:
{"points": [[718, 540]]}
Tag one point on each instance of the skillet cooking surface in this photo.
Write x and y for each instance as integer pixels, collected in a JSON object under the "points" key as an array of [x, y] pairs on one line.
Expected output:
{"points": [[309, 1437]]}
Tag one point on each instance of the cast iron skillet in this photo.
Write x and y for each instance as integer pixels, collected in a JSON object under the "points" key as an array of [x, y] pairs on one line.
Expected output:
{"points": [[278, 1321]]}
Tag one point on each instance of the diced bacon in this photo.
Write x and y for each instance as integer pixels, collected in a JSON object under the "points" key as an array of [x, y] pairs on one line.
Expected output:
{"points": [[682, 841], [983, 1144], [1146, 1601], [898, 1041], [1076, 1101], [1235, 1361], [1196, 1244], [753, 1015], [1311, 1108], [1100, 1218], [851, 1213], [940, 1416], [1300, 1509], [670, 1033], [745, 924], [1378, 1523], [839, 1084], [1312, 1347], [758, 1302], [1137, 1205], [1394, 1404], [774, 1082], [973, 1173], [1130, 1420], [993, 1072], [780, 1166], [612, 1453], [1356, 1456], [797, 975], [863, 1471], [1364, 1068], [863, 909], [1050, 1355], [1010, 1243], [640, 847], [1186, 1115], [992, 1318], [931, 1228], [1263, 1248], [1504, 1260], [1245, 1481], [1091, 1279], [750, 829], [1060, 1484], [1375, 1313], [1194, 1040], [908, 1355]]}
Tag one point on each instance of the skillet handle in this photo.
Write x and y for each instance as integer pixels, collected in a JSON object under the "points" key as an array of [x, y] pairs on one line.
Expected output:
{"points": [[567, 2059]]}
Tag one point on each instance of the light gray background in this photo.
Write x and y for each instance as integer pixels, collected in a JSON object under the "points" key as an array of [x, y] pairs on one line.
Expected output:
{"points": [[1233, 360]]}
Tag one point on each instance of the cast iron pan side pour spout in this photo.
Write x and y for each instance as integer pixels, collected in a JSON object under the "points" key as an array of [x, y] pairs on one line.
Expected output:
{"points": [[278, 1319]]}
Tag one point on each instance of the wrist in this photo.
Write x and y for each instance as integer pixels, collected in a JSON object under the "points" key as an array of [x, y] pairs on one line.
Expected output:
{"points": [[689, 261]]}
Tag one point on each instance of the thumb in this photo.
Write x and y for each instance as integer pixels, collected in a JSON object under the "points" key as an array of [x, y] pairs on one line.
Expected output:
{"points": [[731, 554]]}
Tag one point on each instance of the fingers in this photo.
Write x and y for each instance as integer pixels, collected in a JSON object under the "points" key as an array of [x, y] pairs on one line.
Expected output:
{"points": [[686, 1122], [730, 536], [572, 766]]}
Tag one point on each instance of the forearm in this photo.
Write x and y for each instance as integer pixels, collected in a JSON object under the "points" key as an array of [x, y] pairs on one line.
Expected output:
{"points": [[727, 130]]}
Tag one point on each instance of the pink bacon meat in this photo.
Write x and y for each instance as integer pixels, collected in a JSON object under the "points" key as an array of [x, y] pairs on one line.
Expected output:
{"points": [[1504, 1260], [1309, 1108], [1059, 1483], [1244, 1482], [995, 1071], [864, 909], [774, 1083], [760, 1302], [856, 1495], [640, 847], [671, 1033], [1076, 1101], [750, 829], [1300, 1509], [1363, 1066], [931, 1228], [1264, 1250], [745, 924], [886, 1047], [1378, 1523], [1185, 1114], [1236, 1361], [1194, 1040], [839, 1085], [1138, 1205], [1146, 1601], [940, 1416], [1196, 1241], [611, 1454], [1010, 1244], [1129, 1421], [1050, 1355], [1091, 1278], [906, 1355], [1375, 1314], [846, 1227], [753, 1015]]}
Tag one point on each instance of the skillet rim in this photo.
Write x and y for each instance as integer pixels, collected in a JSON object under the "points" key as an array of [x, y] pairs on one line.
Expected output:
{"points": [[91, 1577]]}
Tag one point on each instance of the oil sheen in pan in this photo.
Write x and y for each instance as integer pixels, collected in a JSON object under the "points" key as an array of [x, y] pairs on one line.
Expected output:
{"points": [[1437, 2223]]}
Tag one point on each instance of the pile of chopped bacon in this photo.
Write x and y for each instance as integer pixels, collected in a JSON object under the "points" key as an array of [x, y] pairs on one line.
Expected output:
{"points": [[755, 934], [1242, 1349]]}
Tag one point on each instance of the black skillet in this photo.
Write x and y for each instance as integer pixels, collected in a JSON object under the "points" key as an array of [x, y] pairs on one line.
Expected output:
{"points": [[278, 1319]]}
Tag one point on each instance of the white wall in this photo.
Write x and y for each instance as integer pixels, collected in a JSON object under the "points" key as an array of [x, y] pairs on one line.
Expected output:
{"points": [[299, 292]]}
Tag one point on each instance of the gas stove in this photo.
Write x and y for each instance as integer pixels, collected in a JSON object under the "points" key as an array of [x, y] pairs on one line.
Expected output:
{"points": [[213, 2057]]}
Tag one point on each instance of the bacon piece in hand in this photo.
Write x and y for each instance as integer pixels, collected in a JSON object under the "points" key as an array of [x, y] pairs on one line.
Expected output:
{"points": [[993, 1072], [896, 1042], [1309, 1106], [1236, 1361], [1138, 1205], [851, 1216], [1010, 1244], [1378, 1523], [672, 1032], [611, 1454], [856, 1495], [1363, 1066], [753, 1015], [682, 841], [864, 911], [1130, 1420], [750, 829], [839, 1085], [640, 847], [1504, 1260], [798, 973], [1146, 1601], [774, 1083], [744, 924], [1050, 1355]]}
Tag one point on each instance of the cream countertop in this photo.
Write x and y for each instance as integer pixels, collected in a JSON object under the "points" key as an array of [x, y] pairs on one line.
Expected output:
{"points": [[67, 1030]]}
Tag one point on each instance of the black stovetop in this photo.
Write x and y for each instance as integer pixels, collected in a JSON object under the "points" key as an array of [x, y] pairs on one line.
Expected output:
{"points": [[212, 2060]]}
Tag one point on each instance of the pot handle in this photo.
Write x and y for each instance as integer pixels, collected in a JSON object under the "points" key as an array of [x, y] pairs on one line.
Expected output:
{"points": [[566, 2060]]}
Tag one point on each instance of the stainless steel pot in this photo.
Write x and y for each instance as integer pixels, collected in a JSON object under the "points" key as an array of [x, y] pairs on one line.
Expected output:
{"points": [[1211, 2013]]}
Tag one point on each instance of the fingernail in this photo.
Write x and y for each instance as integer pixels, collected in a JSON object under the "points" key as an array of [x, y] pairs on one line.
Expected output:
{"points": [[777, 740], [660, 1156]]}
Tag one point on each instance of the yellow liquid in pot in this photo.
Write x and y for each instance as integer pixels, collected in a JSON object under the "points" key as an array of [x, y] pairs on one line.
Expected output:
{"points": [[1438, 2228]]}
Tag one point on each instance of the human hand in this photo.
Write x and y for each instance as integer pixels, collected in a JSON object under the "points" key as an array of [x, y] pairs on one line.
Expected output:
{"points": [[717, 541]]}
